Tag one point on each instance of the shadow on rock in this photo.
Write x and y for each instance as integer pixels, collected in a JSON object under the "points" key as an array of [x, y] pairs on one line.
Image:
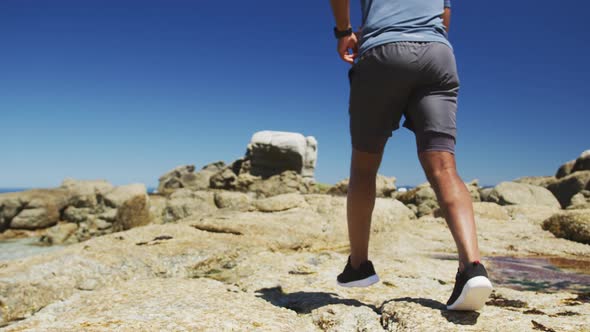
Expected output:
{"points": [[305, 302], [455, 317]]}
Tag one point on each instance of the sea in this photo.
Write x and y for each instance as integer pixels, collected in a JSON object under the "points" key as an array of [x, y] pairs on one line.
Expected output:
{"points": [[150, 190]]}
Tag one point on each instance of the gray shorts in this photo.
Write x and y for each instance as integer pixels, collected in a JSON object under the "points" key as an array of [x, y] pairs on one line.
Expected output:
{"points": [[416, 79]]}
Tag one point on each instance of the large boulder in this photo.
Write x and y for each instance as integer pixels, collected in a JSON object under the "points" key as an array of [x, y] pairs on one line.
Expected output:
{"points": [[568, 186], [32, 209], [583, 162], [512, 193], [132, 204], [273, 152], [541, 181], [573, 225], [580, 200], [565, 169], [385, 186], [86, 193], [185, 177]]}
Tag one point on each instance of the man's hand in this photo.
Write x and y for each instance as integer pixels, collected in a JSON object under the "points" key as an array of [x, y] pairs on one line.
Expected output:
{"points": [[348, 48]]}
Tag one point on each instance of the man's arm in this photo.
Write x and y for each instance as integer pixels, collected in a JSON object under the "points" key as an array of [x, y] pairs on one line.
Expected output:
{"points": [[341, 11], [446, 16]]}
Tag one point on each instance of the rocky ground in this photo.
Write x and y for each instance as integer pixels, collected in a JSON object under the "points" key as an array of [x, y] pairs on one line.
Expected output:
{"points": [[274, 268], [244, 247]]}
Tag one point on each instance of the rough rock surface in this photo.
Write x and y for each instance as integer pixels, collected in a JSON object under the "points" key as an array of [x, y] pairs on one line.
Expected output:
{"points": [[565, 169], [421, 199], [512, 193], [186, 177], [583, 162], [132, 204], [541, 181], [280, 202], [32, 209], [87, 208], [273, 152], [233, 200], [385, 186], [580, 200], [572, 225], [535, 214], [276, 271], [185, 203], [483, 210], [570, 185]]}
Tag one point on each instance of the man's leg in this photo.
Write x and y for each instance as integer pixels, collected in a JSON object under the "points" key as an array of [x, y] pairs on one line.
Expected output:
{"points": [[361, 200], [454, 200]]}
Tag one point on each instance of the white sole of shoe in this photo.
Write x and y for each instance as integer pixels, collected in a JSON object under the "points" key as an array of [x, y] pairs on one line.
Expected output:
{"points": [[474, 295], [361, 283]]}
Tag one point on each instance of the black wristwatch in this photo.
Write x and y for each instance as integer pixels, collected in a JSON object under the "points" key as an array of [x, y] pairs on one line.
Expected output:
{"points": [[339, 34]]}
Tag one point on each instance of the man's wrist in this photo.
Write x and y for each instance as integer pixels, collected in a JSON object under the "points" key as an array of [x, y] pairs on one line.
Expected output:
{"points": [[340, 33]]}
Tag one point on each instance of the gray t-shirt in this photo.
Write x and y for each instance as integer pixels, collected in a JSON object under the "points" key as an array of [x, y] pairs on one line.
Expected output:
{"points": [[387, 21]]}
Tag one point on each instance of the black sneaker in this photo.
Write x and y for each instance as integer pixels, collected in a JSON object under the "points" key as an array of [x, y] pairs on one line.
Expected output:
{"points": [[472, 288], [363, 277]]}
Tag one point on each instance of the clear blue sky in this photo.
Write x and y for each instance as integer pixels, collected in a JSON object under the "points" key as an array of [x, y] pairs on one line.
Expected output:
{"points": [[126, 90]]}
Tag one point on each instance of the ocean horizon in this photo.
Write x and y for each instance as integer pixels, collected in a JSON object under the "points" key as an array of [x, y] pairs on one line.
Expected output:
{"points": [[16, 190]]}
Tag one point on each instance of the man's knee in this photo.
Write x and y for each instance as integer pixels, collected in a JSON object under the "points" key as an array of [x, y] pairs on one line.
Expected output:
{"points": [[365, 164], [438, 165]]}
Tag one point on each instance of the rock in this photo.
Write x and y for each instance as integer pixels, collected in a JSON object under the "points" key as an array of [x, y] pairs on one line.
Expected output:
{"points": [[275, 271], [565, 169], [60, 234], [224, 179], [512, 193], [34, 218], [580, 200], [284, 183], [185, 177], [132, 204], [110, 214], [583, 162], [384, 187], [485, 210], [29, 284], [76, 215], [388, 213], [280, 202], [32, 209], [534, 214], [232, 200], [572, 225], [473, 188], [273, 152], [85, 193], [541, 181], [340, 317], [122, 194], [158, 304], [423, 197], [184, 203], [484, 193], [566, 187], [157, 207]]}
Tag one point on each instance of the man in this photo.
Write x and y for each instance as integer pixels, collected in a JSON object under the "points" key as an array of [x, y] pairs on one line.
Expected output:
{"points": [[405, 66]]}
